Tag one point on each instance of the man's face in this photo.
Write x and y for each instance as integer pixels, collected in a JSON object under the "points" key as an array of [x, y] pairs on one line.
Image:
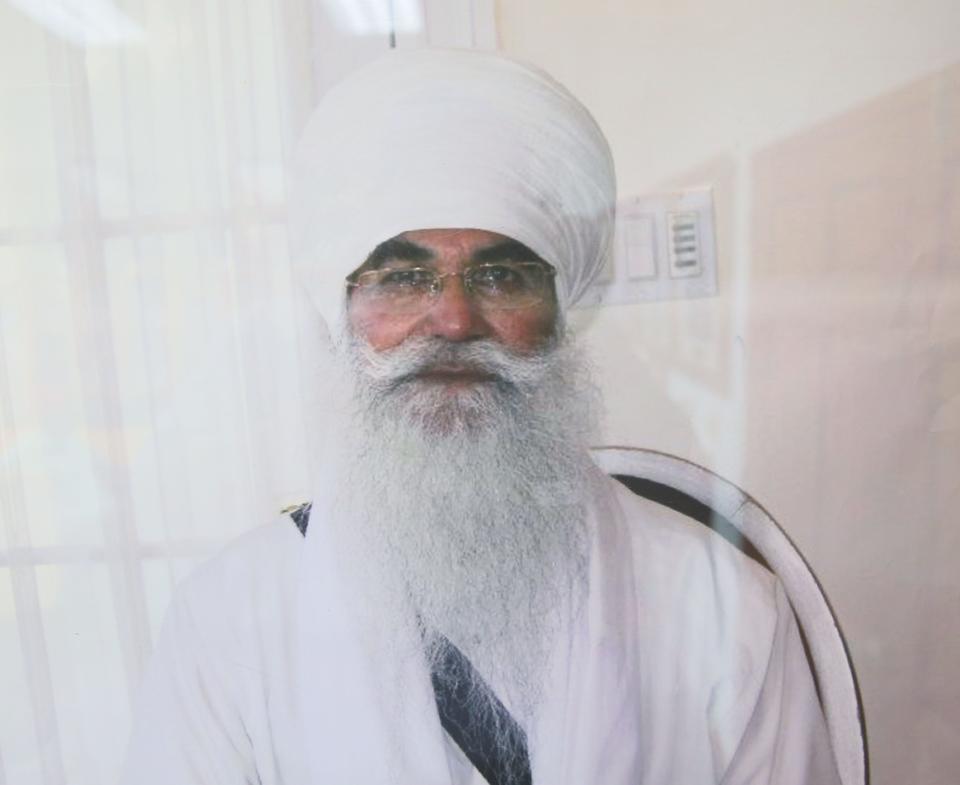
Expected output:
{"points": [[455, 315], [465, 447]]}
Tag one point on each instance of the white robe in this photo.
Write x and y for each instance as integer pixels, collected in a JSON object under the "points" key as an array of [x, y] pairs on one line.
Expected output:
{"points": [[685, 667]]}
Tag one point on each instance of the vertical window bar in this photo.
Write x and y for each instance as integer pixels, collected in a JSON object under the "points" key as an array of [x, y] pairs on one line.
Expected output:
{"points": [[26, 598], [241, 253], [83, 231], [138, 229]]}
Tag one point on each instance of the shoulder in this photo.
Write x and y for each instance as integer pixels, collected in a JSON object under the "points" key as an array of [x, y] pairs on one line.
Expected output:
{"points": [[708, 621], [672, 547], [244, 594], [702, 595], [719, 651], [255, 558]]}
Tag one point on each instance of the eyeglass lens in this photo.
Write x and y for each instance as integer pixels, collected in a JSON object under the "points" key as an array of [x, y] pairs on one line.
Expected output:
{"points": [[496, 286]]}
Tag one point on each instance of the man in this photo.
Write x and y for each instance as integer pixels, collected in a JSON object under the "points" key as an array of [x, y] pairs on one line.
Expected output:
{"points": [[468, 599]]}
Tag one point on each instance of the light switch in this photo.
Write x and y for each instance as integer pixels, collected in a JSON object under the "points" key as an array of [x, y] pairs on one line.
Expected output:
{"points": [[639, 246], [684, 245]]}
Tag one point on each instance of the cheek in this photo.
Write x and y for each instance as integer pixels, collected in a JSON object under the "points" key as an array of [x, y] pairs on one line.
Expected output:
{"points": [[525, 330], [378, 330]]}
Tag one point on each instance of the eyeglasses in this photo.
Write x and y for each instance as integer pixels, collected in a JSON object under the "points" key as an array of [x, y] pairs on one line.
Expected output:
{"points": [[496, 286]]}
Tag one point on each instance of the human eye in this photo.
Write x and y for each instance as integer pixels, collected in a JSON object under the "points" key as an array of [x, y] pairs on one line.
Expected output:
{"points": [[405, 279], [502, 278], [495, 275]]}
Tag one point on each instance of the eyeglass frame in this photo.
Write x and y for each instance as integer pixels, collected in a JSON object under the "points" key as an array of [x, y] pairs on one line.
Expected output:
{"points": [[437, 282]]}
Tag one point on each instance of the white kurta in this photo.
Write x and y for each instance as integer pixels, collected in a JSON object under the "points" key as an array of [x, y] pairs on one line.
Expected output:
{"points": [[685, 667]]}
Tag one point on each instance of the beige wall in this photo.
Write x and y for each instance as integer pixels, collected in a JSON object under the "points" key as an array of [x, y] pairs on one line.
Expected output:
{"points": [[825, 377]]}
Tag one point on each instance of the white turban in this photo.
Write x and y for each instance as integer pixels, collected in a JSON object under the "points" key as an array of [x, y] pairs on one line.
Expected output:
{"points": [[450, 139]]}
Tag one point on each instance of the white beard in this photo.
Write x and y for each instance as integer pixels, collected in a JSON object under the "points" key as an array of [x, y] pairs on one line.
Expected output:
{"points": [[471, 502]]}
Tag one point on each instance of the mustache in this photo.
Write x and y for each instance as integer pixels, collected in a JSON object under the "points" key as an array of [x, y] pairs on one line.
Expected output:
{"points": [[415, 357]]}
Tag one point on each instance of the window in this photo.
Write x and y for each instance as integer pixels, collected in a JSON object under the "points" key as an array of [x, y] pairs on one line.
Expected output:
{"points": [[150, 390]]}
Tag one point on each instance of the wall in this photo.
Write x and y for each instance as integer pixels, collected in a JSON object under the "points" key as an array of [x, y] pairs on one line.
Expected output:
{"points": [[825, 377]]}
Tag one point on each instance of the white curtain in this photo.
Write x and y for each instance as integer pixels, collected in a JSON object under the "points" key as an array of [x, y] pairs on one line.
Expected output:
{"points": [[150, 355]]}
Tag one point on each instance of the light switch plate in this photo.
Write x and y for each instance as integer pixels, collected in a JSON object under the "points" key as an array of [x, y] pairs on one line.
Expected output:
{"points": [[664, 248]]}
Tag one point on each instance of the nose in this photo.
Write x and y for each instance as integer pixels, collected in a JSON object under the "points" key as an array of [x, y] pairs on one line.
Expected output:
{"points": [[454, 314]]}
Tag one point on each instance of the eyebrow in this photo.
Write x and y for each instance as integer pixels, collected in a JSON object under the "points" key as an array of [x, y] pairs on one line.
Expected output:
{"points": [[512, 250], [398, 250]]}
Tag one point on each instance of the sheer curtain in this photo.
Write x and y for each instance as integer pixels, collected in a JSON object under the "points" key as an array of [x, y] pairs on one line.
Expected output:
{"points": [[150, 355]]}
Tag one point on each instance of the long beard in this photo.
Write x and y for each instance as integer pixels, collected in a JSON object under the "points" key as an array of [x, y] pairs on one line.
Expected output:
{"points": [[470, 502]]}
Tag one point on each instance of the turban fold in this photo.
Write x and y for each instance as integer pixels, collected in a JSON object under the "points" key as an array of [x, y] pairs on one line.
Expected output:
{"points": [[449, 139]]}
